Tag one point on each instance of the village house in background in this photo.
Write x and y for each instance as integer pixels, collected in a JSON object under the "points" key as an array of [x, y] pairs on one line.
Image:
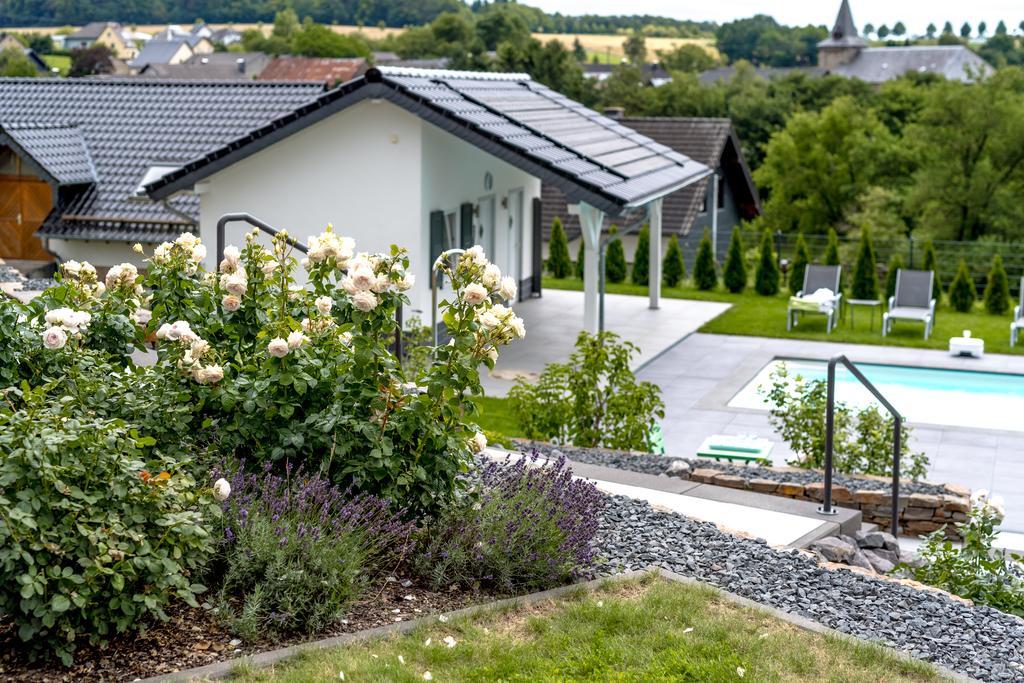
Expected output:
{"points": [[213, 66], [107, 33], [718, 203], [324, 70], [9, 42]]}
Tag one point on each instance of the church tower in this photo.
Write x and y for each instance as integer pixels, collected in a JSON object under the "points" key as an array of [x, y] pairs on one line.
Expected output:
{"points": [[844, 44]]}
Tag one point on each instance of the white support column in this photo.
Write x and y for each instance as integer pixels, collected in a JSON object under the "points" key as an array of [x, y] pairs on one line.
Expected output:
{"points": [[591, 220], [654, 260]]}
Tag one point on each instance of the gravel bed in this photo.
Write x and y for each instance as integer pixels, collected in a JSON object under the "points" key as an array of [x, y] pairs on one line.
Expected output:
{"points": [[9, 274], [658, 465], [980, 642]]}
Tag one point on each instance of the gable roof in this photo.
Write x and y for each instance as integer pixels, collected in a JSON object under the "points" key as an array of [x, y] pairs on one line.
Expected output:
{"points": [[591, 157], [93, 30], [194, 71], [323, 70], [844, 33], [880, 64], [159, 52], [710, 141], [57, 149], [127, 125], [252, 63]]}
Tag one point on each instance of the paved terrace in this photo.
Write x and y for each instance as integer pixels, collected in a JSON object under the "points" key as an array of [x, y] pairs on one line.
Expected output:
{"points": [[699, 375]]}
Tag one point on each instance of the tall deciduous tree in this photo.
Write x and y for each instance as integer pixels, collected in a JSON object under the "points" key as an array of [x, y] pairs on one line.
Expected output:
{"points": [[635, 48]]}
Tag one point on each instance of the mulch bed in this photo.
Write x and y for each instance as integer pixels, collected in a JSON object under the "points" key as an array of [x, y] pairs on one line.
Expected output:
{"points": [[194, 637]]}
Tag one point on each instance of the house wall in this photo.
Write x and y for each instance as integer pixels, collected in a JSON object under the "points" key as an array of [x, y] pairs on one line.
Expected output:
{"points": [[99, 253]]}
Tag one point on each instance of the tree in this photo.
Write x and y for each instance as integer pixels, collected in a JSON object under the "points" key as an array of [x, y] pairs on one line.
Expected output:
{"points": [[90, 61], [895, 263], [931, 31], [13, 62], [982, 28], [503, 22], [997, 291], [641, 258], [704, 275], [286, 24], [961, 291], [766, 278], [801, 259], [673, 269], [832, 249], [899, 30], [317, 40], [615, 260], [687, 57], [932, 263], [965, 31], [869, 28], [865, 271], [578, 52], [635, 48], [579, 259], [734, 275], [947, 28], [883, 32], [763, 41], [950, 39], [1001, 29], [559, 264]]}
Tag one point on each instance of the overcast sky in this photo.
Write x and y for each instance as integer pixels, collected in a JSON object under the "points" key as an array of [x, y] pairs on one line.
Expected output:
{"points": [[916, 14]]}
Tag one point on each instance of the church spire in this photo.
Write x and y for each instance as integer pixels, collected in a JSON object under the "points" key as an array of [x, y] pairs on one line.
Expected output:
{"points": [[844, 28]]}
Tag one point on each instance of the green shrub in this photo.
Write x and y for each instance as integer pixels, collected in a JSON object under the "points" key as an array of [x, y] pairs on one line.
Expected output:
{"points": [[673, 268], [295, 551], [931, 263], [642, 257], [97, 534], [559, 264], [530, 527], [593, 400], [997, 291], [734, 274], [977, 570], [863, 439], [895, 264], [832, 255], [615, 260], [961, 291], [579, 258], [801, 259], [865, 271], [766, 279], [704, 275]]}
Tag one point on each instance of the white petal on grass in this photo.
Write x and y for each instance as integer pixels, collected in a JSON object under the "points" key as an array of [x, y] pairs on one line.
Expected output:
{"points": [[426, 643], [687, 629], [764, 635], [341, 675], [442, 618], [740, 671], [600, 603], [401, 659], [449, 641], [427, 676]]}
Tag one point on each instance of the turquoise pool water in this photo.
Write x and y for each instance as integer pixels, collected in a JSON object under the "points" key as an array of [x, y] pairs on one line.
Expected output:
{"points": [[984, 400]]}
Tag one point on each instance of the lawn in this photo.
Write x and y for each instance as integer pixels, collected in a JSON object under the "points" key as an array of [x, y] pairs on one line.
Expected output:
{"points": [[755, 315], [495, 417], [645, 630], [62, 62]]}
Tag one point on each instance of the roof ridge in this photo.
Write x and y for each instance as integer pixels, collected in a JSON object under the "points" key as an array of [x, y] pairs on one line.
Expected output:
{"points": [[148, 83]]}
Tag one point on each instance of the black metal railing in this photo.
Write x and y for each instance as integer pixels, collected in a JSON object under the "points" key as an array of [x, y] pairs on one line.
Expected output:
{"points": [[243, 217], [830, 424]]}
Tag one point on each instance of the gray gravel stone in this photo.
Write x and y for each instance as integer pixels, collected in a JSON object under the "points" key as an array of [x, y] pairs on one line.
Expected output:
{"points": [[834, 549], [880, 564]]}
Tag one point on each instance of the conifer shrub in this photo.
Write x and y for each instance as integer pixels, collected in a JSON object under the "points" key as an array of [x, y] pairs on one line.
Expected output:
{"points": [[997, 291], [673, 269], [931, 263], [895, 263], [704, 275], [579, 259], [559, 264], [832, 255], [961, 291], [801, 259], [642, 257], [766, 279], [734, 275], [615, 260], [865, 271]]}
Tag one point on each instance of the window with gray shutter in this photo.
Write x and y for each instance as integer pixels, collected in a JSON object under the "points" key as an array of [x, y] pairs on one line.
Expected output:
{"points": [[466, 232]]}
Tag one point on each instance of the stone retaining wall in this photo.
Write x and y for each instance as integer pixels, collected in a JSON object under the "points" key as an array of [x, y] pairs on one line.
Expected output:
{"points": [[920, 513]]}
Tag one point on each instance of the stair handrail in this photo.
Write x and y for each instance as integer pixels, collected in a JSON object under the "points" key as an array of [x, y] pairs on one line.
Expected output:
{"points": [[826, 507]]}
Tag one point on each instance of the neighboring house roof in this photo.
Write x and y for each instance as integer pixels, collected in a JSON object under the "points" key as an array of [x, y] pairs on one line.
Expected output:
{"points": [[127, 126], [8, 41], [320, 69], [58, 150], [429, 63], [226, 36], [93, 30], [251, 65], [193, 71], [726, 73], [159, 52], [844, 33], [591, 157], [709, 141], [880, 64]]}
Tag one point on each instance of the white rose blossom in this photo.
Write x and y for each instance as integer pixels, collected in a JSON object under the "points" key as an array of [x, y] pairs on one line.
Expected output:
{"points": [[232, 257], [296, 339], [324, 304], [198, 253], [478, 442], [142, 316], [164, 331], [230, 303], [55, 338], [221, 489], [210, 374], [474, 294], [491, 277], [365, 301], [278, 347], [235, 283], [406, 283], [508, 289], [476, 253]]}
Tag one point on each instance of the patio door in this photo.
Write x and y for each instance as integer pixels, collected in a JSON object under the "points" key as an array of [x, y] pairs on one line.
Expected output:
{"points": [[485, 225], [24, 205], [513, 261]]}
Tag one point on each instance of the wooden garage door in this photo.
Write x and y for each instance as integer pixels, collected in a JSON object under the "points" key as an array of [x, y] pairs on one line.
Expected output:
{"points": [[24, 205]]}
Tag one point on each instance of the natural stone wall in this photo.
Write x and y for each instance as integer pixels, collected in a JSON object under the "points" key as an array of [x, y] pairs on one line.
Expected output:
{"points": [[920, 513]]}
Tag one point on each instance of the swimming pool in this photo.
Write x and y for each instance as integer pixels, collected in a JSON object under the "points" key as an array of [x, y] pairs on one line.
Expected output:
{"points": [[960, 398]]}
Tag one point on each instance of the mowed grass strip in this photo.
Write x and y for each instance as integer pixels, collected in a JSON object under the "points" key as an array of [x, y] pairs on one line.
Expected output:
{"points": [[648, 629], [765, 316]]}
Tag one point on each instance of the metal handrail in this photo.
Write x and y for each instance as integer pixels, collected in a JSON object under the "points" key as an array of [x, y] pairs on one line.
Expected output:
{"points": [[830, 419], [243, 217], [438, 262]]}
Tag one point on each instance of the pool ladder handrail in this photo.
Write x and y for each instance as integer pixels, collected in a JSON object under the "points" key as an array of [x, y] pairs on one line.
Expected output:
{"points": [[826, 507]]}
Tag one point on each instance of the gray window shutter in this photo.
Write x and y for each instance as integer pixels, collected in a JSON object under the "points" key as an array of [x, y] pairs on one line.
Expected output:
{"points": [[436, 237], [537, 262], [467, 235]]}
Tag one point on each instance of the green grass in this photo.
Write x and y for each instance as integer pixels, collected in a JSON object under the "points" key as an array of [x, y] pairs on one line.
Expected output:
{"points": [[645, 630], [62, 62], [495, 417], [760, 316]]}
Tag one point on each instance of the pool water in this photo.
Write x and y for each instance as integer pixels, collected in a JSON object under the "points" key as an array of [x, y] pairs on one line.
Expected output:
{"points": [[983, 400]]}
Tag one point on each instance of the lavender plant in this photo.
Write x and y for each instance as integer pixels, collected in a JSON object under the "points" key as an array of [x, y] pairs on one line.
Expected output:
{"points": [[295, 551], [529, 526]]}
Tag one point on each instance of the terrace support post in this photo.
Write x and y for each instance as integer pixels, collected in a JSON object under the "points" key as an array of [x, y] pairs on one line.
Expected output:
{"points": [[714, 215], [830, 428], [654, 260], [591, 220]]}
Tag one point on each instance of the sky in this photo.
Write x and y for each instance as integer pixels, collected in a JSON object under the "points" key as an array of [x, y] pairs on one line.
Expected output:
{"points": [[915, 14]]}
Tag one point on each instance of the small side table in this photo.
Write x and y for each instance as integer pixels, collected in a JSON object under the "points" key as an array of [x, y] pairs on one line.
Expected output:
{"points": [[873, 304], [971, 347]]}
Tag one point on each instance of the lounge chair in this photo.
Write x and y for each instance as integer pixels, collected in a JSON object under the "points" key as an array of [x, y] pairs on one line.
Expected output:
{"points": [[812, 299], [745, 449], [913, 300], [1018, 316]]}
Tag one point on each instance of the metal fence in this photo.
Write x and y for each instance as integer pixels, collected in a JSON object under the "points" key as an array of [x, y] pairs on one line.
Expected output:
{"points": [[977, 255]]}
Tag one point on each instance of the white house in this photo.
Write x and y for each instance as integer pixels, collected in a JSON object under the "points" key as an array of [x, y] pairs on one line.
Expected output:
{"points": [[429, 160]]}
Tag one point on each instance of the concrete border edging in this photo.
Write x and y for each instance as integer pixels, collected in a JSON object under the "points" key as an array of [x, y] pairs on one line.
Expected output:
{"points": [[224, 669]]}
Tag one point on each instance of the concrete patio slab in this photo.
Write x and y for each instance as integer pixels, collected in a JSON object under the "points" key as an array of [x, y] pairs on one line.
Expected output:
{"points": [[553, 322]]}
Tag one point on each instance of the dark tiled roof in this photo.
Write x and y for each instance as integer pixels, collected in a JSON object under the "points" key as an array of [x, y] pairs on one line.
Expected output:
{"points": [[59, 149], [880, 64], [159, 52], [194, 71], [701, 139], [726, 73], [130, 124], [590, 157], [92, 30], [253, 63], [322, 70]]}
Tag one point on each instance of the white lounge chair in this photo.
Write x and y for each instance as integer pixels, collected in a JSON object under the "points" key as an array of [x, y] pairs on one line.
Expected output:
{"points": [[817, 278], [1018, 316], [913, 300]]}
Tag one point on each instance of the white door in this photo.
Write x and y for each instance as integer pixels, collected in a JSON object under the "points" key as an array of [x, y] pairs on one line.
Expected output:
{"points": [[513, 264], [485, 225]]}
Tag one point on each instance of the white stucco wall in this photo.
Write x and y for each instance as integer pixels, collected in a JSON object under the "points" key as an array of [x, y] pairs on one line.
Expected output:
{"points": [[99, 253]]}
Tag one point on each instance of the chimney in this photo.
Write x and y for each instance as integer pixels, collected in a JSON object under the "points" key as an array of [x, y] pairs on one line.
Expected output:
{"points": [[241, 64], [616, 113]]}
